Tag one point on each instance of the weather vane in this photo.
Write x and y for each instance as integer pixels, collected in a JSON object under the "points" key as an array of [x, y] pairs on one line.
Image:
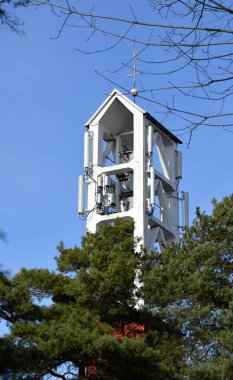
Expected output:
{"points": [[134, 91]]}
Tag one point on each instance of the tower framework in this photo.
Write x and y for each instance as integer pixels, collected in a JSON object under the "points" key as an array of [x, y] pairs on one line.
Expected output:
{"points": [[132, 169]]}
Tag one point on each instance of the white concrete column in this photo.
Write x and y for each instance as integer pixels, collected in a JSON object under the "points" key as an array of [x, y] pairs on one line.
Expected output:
{"points": [[140, 216]]}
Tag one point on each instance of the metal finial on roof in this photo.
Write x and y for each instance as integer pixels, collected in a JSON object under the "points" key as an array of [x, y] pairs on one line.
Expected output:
{"points": [[134, 91]]}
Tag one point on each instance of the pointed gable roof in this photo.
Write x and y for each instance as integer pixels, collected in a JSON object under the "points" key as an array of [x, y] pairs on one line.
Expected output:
{"points": [[108, 101], [116, 94]]}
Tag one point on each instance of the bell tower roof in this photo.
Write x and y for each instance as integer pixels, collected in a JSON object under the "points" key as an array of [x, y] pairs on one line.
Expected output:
{"points": [[118, 107]]}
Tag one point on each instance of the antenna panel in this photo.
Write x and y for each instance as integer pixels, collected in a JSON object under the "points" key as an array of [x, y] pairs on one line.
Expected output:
{"points": [[81, 199], [185, 209], [86, 151], [179, 165], [150, 139]]}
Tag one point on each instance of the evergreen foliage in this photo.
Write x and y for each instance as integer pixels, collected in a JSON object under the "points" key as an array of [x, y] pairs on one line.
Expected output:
{"points": [[191, 285], [91, 320]]}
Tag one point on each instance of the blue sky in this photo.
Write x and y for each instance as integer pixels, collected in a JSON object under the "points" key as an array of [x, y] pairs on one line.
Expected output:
{"points": [[47, 92]]}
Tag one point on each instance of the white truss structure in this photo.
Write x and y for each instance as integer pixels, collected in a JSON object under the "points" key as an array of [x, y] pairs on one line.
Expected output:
{"points": [[132, 169]]}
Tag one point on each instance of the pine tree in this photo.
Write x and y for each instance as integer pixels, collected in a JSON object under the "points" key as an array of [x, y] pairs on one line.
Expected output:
{"points": [[92, 322], [191, 284], [85, 316]]}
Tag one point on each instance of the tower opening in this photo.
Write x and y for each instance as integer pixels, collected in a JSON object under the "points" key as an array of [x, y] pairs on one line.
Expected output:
{"points": [[132, 169]]}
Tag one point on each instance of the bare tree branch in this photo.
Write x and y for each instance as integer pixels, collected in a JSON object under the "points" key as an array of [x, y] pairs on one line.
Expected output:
{"points": [[134, 22], [194, 39]]}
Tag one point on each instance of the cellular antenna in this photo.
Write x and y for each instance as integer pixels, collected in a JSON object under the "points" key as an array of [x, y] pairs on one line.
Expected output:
{"points": [[134, 91]]}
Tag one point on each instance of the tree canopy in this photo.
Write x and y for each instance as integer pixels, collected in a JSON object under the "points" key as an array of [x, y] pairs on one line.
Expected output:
{"points": [[192, 286], [91, 317], [87, 317]]}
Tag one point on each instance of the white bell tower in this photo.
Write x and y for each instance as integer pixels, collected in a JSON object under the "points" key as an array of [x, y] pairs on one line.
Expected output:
{"points": [[132, 169]]}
